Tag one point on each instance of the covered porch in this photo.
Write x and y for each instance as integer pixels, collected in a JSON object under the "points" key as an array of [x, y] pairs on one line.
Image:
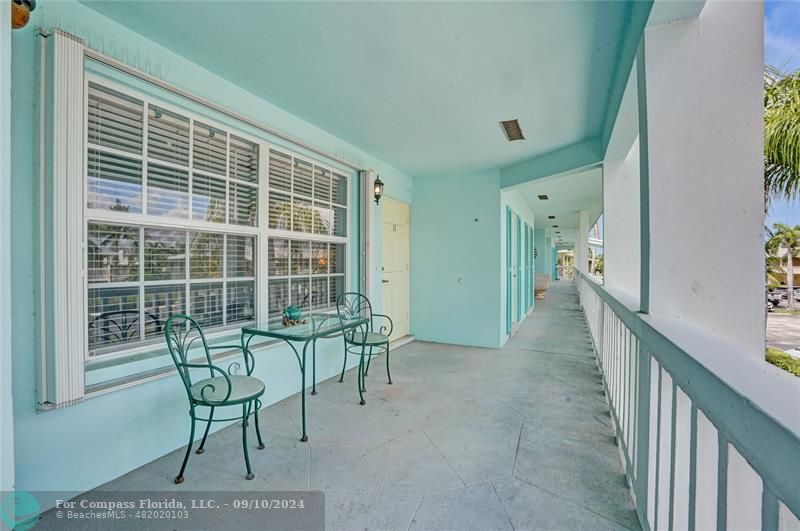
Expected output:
{"points": [[252, 164], [466, 438]]}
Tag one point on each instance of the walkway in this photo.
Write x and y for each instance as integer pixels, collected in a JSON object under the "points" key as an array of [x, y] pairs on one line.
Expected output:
{"points": [[466, 438]]}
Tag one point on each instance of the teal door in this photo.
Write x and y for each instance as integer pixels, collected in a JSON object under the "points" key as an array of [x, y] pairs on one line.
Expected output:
{"points": [[518, 283], [508, 270]]}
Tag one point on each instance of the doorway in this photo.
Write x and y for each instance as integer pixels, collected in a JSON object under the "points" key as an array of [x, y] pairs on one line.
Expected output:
{"points": [[394, 260]]}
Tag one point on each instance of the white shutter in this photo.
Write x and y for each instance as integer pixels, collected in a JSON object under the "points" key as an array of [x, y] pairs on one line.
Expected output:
{"points": [[63, 315]]}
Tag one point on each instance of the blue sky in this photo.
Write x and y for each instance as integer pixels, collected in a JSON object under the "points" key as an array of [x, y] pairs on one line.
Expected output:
{"points": [[782, 50]]}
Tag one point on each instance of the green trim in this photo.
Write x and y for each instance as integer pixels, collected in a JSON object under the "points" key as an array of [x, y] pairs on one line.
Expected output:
{"points": [[771, 449], [722, 482], [692, 469], [508, 270], [518, 283], [644, 183], [769, 510]]}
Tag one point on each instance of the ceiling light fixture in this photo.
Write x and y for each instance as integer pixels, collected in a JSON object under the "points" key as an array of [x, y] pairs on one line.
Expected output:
{"points": [[512, 130]]}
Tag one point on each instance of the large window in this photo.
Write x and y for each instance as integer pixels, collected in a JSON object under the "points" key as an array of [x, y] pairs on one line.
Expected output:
{"points": [[185, 216], [307, 204]]}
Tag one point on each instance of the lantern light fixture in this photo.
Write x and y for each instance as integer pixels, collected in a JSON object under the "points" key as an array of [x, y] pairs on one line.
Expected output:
{"points": [[377, 188]]}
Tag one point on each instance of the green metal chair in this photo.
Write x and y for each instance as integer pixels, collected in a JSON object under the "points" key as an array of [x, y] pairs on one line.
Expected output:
{"points": [[363, 341], [221, 389]]}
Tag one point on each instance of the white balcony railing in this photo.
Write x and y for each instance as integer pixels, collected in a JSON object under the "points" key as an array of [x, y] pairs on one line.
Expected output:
{"points": [[699, 452]]}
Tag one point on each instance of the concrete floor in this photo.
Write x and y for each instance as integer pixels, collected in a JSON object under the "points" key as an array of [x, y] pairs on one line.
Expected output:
{"points": [[466, 438]]}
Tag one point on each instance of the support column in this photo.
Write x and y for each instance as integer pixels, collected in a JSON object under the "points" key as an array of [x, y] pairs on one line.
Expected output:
{"points": [[704, 161], [582, 244], [548, 257], [6, 409]]}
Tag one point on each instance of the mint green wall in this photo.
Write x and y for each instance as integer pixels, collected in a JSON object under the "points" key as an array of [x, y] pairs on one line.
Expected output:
{"points": [[540, 262], [513, 200], [82, 446], [448, 244], [6, 412], [548, 256]]}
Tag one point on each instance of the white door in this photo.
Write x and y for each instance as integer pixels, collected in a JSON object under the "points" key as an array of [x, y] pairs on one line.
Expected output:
{"points": [[395, 264]]}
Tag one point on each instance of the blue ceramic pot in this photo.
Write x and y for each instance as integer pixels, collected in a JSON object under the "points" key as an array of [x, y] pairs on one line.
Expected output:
{"points": [[292, 312]]}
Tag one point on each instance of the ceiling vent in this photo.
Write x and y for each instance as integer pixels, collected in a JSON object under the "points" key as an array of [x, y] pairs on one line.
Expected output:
{"points": [[543, 197], [551, 217], [512, 130]]}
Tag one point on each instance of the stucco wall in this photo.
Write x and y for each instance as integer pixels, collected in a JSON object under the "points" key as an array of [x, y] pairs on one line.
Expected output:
{"points": [[704, 112], [59, 449], [455, 266], [514, 200], [621, 230], [6, 413]]}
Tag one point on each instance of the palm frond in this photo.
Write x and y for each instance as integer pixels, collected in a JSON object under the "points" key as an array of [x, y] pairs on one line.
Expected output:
{"points": [[782, 133]]}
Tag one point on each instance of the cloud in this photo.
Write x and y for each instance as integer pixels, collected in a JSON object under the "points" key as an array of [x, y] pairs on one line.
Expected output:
{"points": [[782, 34]]}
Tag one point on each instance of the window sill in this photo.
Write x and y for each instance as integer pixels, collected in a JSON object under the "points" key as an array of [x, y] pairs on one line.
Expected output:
{"points": [[157, 361]]}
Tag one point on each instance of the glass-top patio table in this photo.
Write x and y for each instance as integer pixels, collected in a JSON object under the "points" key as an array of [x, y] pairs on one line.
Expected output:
{"points": [[311, 328]]}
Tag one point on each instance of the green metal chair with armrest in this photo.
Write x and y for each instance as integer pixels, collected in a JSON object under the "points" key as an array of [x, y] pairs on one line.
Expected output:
{"points": [[221, 388], [363, 340]]}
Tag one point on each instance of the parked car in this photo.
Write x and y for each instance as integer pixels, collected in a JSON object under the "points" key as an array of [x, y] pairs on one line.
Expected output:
{"points": [[775, 296]]}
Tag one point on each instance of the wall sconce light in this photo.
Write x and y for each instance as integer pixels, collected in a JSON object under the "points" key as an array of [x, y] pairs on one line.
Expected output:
{"points": [[21, 12], [378, 188]]}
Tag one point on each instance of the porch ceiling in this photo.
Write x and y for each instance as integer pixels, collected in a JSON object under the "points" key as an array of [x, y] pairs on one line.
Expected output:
{"points": [[568, 196], [420, 85]]}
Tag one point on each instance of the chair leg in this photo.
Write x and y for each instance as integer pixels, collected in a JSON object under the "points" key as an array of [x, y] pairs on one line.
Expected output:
{"points": [[258, 429], [245, 414], [387, 364], [361, 378], [179, 477], [369, 361], [344, 364], [200, 449]]}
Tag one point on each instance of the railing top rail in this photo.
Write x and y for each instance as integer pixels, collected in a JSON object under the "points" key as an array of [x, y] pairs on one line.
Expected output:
{"points": [[754, 405]]}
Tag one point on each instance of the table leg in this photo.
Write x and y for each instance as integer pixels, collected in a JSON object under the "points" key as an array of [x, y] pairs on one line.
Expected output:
{"points": [[304, 438], [314, 367]]}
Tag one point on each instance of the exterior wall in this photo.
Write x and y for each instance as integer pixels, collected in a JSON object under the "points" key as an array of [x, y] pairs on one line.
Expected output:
{"points": [[6, 412], [513, 199], [547, 254], [621, 229], [621, 199], [704, 142], [582, 244], [57, 450], [456, 259], [539, 263]]}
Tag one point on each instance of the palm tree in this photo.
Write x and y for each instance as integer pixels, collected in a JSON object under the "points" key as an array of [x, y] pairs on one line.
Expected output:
{"points": [[772, 261], [788, 238], [781, 133]]}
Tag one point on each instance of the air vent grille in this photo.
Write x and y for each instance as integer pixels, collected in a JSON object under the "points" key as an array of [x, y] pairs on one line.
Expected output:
{"points": [[512, 130]]}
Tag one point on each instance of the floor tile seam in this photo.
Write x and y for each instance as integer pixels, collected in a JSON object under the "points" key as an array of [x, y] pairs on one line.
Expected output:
{"points": [[502, 505], [463, 483], [573, 502]]}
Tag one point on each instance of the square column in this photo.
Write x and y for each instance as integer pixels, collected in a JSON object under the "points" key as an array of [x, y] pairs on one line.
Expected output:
{"points": [[703, 158]]}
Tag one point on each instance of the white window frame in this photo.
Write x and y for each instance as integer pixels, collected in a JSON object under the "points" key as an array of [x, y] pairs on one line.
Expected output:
{"points": [[290, 235], [261, 232]]}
